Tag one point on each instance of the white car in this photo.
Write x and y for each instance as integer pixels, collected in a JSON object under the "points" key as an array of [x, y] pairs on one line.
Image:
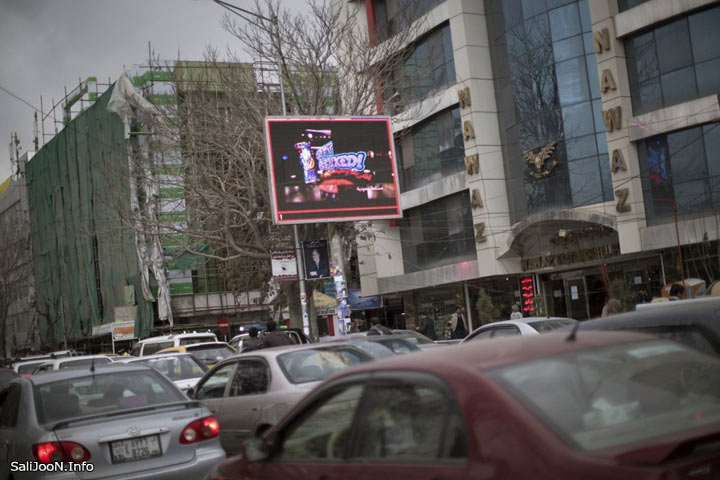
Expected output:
{"points": [[525, 326], [182, 368], [85, 361]]}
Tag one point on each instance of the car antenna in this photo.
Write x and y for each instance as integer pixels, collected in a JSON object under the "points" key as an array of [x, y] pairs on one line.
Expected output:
{"points": [[92, 366], [572, 336]]}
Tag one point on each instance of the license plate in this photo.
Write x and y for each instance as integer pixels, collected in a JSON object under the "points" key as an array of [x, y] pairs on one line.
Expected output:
{"points": [[135, 449]]}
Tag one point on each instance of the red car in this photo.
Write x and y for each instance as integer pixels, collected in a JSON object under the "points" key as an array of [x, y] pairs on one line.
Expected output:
{"points": [[604, 405]]}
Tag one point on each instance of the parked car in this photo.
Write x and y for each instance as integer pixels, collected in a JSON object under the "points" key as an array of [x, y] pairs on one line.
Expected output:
{"points": [[127, 421], [150, 345], [25, 366], [296, 335], [71, 362], [182, 368], [694, 322], [258, 387], [605, 405], [207, 353], [525, 326]]}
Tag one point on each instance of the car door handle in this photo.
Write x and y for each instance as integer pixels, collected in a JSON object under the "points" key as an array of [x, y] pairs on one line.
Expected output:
{"points": [[254, 409]]}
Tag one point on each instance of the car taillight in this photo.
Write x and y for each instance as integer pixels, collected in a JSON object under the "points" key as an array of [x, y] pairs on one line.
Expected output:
{"points": [[60, 452], [201, 429]]}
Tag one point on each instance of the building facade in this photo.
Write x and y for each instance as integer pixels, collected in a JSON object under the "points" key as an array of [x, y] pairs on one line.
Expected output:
{"points": [[550, 153]]}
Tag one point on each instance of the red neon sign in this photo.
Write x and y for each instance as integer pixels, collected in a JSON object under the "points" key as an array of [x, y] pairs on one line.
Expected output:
{"points": [[527, 294]]}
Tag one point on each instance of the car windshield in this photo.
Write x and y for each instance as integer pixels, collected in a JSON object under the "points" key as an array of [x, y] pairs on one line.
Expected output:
{"points": [[312, 365], [180, 367], [611, 396], [210, 354], [194, 340], [83, 363], [547, 325], [102, 393]]}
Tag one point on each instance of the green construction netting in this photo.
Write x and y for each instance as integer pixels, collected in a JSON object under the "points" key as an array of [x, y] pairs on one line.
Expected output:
{"points": [[83, 256]]}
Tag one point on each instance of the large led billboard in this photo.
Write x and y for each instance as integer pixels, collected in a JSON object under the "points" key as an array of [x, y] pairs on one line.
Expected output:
{"points": [[331, 169]]}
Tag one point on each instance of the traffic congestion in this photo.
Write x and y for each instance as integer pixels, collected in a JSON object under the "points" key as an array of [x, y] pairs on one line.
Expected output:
{"points": [[629, 396]]}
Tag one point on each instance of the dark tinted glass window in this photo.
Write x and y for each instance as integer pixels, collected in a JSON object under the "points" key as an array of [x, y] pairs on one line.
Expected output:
{"points": [[10, 406], [546, 84], [438, 233], [628, 4], [251, 378], [679, 172], [674, 62]]}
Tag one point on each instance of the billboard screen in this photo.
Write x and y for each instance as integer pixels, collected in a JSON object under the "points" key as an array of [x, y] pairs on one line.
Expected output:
{"points": [[331, 169]]}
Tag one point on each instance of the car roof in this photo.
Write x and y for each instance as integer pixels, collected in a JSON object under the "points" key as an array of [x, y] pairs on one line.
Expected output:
{"points": [[70, 373], [704, 312], [502, 351], [163, 338], [154, 355], [271, 352]]}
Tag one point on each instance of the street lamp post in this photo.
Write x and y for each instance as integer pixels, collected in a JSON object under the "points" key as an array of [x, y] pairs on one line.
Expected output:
{"points": [[298, 250]]}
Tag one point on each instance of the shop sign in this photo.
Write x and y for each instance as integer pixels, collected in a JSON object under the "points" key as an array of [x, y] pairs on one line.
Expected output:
{"points": [[527, 293], [571, 257]]}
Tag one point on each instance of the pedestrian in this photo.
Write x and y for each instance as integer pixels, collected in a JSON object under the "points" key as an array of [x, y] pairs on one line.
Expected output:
{"points": [[426, 326], [252, 342], [377, 328], [353, 327], [458, 325], [516, 313], [677, 291], [611, 307], [274, 337], [641, 296], [363, 325]]}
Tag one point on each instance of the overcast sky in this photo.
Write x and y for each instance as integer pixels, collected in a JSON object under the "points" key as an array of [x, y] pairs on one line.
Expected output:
{"points": [[46, 45]]}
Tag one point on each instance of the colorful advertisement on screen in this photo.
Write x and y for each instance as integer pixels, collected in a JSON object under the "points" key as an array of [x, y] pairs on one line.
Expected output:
{"points": [[331, 169]]}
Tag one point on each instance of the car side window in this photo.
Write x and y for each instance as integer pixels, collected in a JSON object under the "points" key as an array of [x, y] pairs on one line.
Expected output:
{"points": [[324, 432], [135, 352], [10, 406], [483, 335], [506, 331], [251, 378], [406, 422], [214, 386]]}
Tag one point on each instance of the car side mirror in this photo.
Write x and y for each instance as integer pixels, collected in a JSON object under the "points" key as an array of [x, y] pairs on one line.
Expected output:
{"points": [[257, 450], [190, 393]]}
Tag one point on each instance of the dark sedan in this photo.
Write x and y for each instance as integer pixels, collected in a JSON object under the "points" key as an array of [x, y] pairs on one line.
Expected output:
{"points": [[692, 322], [605, 405]]}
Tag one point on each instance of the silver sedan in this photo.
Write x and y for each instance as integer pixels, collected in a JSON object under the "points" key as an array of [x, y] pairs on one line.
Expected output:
{"points": [[118, 422], [258, 387]]}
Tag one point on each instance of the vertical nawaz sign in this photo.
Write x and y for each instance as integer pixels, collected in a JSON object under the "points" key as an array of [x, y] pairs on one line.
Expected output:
{"points": [[331, 169]]}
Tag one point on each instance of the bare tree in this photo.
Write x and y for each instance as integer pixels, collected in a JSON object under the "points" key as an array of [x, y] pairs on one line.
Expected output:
{"points": [[15, 272], [328, 66]]}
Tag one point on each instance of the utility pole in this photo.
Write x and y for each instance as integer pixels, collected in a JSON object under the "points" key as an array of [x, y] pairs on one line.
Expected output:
{"points": [[298, 249]]}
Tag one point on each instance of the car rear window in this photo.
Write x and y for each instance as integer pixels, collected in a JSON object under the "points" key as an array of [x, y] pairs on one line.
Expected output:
{"points": [[210, 354], [102, 393], [544, 326], [83, 363], [179, 367], [312, 365], [611, 396], [193, 340]]}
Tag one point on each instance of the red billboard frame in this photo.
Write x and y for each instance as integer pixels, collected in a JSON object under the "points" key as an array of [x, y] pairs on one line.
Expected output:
{"points": [[312, 189]]}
